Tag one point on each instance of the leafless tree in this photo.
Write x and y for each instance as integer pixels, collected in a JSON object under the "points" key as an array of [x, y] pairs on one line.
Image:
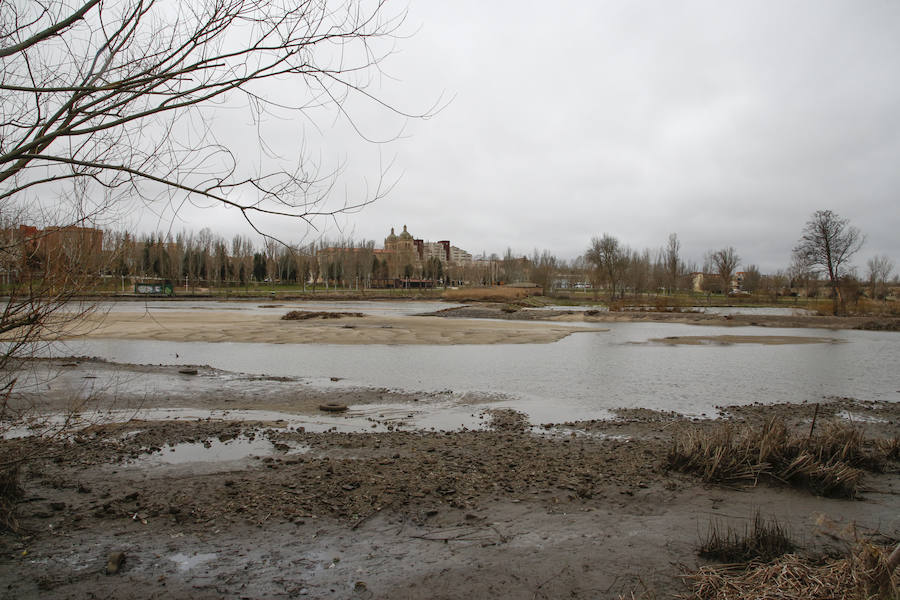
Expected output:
{"points": [[725, 262], [672, 262], [880, 269], [639, 270], [122, 95], [543, 269], [104, 103], [827, 245], [752, 279], [610, 258]]}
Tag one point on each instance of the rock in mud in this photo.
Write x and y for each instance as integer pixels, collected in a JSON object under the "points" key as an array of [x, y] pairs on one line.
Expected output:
{"points": [[115, 562]]}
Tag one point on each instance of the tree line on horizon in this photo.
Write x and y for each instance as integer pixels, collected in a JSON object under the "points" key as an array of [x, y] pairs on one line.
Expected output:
{"points": [[206, 259]]}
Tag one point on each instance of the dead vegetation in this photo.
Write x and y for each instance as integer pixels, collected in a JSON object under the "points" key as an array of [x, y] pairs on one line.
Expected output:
{"points": [[488, 294], [10, 492], [829, 463], [866, 573], [303, 315], [763, 539]]}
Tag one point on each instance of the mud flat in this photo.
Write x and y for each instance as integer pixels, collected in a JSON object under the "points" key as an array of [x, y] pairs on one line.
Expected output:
{"points": [[232, 326], [768, 340], [488, 311], [511, 510]]}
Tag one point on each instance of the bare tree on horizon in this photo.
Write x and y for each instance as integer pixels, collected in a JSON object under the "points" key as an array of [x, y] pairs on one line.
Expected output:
{"points": [[827, 245], [726, 262]]}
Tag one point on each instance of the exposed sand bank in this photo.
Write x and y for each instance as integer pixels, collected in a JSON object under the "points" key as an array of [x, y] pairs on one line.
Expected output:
{"points": [[226, 326]]}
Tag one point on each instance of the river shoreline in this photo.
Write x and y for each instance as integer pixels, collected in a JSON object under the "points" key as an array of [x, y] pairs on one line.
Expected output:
{"points": [[493, 311], [582, 509], [232, 496]]}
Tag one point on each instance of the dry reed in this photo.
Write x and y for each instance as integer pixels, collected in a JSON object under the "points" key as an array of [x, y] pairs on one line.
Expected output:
{"points": [[764, 540], [9, 496], [489, 294], [830, 463], [862, 575]]}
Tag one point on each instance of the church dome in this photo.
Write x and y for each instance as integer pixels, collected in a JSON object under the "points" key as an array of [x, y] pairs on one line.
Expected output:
{"points": [[405, 235], [392, 237]]}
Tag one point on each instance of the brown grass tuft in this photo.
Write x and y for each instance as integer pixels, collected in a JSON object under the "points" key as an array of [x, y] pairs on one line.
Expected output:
{"points": [[10, 492], [763, 540], [862, 575], [488, 294], [889, 448], [830, 463]]}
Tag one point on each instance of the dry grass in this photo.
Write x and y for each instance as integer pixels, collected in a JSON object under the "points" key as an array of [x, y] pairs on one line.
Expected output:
{"points": [[488, 294], [830, 463], [10, 492], [889, 448], [863, 575], [762, 540]]}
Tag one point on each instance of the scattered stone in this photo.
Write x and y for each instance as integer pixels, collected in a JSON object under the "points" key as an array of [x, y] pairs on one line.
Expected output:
{"points": [[115, 562]]}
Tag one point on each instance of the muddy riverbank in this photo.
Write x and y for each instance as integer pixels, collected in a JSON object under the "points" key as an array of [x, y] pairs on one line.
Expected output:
{"points": [[504, 312], [514, 509]]}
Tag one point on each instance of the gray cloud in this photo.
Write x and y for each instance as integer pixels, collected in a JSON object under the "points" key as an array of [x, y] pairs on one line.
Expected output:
{"points": [[728, 123]]}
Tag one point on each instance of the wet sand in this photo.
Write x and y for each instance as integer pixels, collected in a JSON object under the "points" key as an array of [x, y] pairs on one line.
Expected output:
{"points": [[225, 326]]}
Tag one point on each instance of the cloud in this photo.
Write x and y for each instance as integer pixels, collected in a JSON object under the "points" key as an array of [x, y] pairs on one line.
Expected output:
{"points": [[729, 123]]}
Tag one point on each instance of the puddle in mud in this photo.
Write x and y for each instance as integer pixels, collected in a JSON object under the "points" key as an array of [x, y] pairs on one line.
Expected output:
{"points": [[215, 451], [569, 432], [187, 562], [858, 418]]}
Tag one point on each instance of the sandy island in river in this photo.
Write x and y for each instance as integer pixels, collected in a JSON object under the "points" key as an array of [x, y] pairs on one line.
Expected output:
{"points": [[231, 326]]}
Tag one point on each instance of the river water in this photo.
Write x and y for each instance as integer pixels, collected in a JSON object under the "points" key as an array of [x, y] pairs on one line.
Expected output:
{"points": [[579, 377]]}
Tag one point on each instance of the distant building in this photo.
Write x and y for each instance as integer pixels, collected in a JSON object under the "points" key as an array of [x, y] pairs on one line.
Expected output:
{"points": [[52, 250], [712, 282], [403, 257]]}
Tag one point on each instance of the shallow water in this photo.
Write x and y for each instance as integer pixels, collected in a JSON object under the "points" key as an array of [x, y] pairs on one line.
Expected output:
{"points": [[211, 450], [186, 562], [579, 377]]}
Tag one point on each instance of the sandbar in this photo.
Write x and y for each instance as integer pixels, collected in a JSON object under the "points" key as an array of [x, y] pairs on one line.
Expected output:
{"points": [[231, 326]]}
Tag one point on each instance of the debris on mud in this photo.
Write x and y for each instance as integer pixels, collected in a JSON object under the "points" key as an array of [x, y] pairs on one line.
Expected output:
{"points": [[368, 502], [303, 315]]}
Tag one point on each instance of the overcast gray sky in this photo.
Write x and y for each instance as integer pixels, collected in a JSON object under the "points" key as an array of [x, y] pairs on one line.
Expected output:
{"points": [[729, 123]]}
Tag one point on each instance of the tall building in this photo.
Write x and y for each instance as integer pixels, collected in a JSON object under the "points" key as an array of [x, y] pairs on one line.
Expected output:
{"points": [[403, 256]]}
